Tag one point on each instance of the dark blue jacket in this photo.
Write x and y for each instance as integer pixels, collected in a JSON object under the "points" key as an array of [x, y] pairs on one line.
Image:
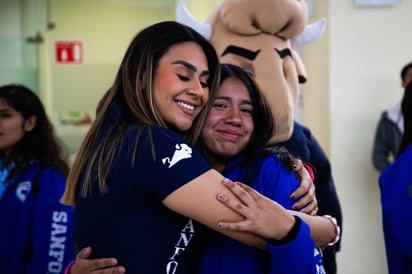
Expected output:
{"points": [[35, 228], [396, 198]]}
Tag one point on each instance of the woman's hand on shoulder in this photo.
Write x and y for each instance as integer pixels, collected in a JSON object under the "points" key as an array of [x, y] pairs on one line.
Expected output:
{"points": [[262, 215], [305, 193], [83, 265]]}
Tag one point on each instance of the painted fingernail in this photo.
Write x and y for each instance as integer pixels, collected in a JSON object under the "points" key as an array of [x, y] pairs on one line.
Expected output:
{"points": [[220, 196], [292, 197], [220, 225]]}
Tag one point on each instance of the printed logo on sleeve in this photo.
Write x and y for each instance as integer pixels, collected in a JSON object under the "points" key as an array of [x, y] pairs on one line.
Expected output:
{"points": [[23, 190], [182, 151]]}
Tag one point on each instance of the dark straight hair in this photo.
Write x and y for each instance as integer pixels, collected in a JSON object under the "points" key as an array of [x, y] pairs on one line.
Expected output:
{"points": [[406, 108]]}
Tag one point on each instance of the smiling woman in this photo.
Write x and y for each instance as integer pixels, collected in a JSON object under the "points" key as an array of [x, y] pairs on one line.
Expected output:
{"points": [[179, 104]]}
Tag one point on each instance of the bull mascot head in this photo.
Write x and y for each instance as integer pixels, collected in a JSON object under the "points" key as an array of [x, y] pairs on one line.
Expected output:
{"points": [[262, 36]]}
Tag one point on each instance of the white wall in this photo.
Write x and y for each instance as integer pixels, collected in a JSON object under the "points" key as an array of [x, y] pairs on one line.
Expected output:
{"points": [[367, 47]]}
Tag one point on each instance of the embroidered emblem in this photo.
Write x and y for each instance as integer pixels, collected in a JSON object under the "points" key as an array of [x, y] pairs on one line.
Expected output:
{"points": [[23, 190], [182, 151]]}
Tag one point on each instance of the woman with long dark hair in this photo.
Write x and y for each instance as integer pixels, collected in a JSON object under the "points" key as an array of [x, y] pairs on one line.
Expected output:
{"points": [[35, 228]]}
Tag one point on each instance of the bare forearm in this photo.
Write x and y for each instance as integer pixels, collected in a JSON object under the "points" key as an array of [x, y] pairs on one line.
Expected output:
{"points": [[207, 208], [322, 230]]}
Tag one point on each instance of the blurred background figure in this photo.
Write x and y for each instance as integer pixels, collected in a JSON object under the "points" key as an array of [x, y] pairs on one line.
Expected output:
{"points": [[390, 128], [35, 228], [396, 197]]}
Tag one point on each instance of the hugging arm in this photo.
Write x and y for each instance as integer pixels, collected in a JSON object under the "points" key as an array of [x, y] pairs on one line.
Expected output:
{"points": [[291, 254], [206, 209], [259, 212]]}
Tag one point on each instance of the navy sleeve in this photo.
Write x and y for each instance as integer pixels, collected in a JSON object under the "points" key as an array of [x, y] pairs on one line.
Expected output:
{"points": [[174, 164], [381, 151], [328, 200]]}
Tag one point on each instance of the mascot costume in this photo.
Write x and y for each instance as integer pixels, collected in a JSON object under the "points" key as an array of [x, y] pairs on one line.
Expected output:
{"points": [[262, 36]]}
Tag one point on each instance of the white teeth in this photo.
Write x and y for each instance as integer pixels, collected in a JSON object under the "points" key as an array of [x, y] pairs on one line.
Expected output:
{"points": [[186, 105]]}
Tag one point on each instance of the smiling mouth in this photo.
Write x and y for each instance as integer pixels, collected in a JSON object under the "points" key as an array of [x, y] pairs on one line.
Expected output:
{"points": [[185, 105], [229, 134]]}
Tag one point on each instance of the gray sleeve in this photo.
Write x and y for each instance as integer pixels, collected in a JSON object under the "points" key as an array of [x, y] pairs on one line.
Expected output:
{"points": [[382, 150]]}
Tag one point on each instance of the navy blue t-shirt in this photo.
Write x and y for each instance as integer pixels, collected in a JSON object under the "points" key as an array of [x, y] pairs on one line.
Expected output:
{"points": [[129, 222]]}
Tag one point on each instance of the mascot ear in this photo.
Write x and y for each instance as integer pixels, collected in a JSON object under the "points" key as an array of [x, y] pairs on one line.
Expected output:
{"points": [[311, 33], [184, 17]]}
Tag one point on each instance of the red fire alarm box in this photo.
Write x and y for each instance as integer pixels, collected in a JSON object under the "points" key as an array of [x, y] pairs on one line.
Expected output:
{"points": [[69, 52]]}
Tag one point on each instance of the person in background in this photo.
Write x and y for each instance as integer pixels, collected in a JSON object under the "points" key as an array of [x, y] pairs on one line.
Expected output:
{"points": [[395, 184], [236, 129], [304, 144], [35, 228], [390, 128]]}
